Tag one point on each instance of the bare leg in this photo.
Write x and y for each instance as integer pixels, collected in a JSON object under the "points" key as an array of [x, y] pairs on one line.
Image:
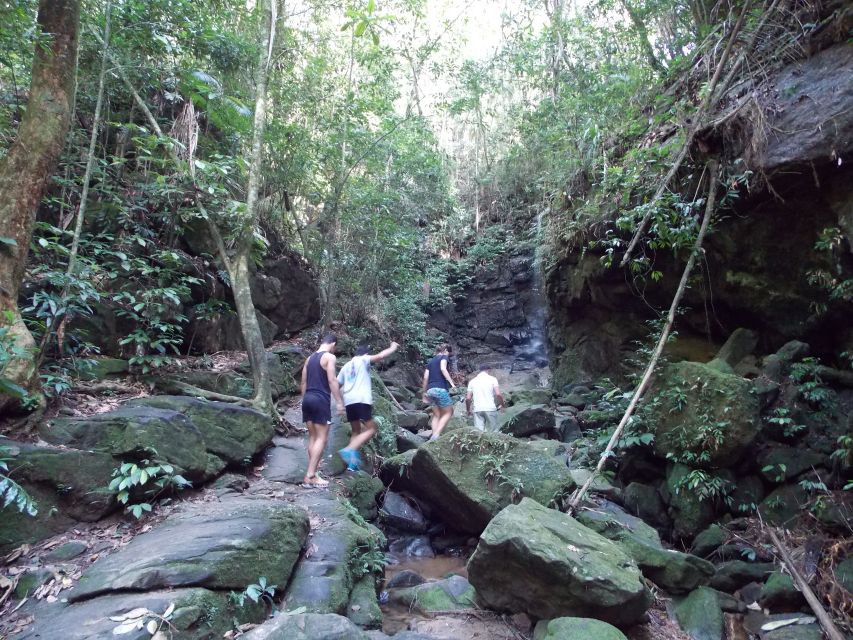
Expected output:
{"points": [[445, 413], [360, 435], [436, 418], [317, 436]]}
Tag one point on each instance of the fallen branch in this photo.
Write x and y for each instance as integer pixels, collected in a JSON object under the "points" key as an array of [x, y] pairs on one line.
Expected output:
{"points": [[198, 392], [100, 387], [390, 395], [577, 496], [698, 120], [820, 613]]}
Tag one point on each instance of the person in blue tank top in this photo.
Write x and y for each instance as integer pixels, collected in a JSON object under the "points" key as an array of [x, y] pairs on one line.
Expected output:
{"points": [[319, 384], [436, 385]]}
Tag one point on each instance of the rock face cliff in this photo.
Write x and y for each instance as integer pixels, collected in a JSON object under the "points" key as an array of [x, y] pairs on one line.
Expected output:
{"points": [[500, 318], [758, 258]]}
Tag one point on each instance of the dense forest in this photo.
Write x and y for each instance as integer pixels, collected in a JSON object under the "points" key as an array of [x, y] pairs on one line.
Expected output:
{"points": [[636, 214]]}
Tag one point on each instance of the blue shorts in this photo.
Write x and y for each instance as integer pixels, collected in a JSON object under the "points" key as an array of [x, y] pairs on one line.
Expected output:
{"points": [[439, 397]]}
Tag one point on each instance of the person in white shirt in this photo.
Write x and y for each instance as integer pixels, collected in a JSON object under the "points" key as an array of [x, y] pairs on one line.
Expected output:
{"points": [[483, 400], [357, 390]]}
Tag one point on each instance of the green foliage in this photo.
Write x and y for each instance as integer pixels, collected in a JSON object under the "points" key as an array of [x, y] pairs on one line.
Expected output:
{"points": [[256, 592], [706, 486], [146, 480], [368, 559], [9, 352], [806, 375], [10, 491], [775, 472], [783, 422], [829, 281]]}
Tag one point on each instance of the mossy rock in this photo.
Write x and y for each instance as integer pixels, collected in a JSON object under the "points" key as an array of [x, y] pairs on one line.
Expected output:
{"points": [[524, 420], [689, 512], [779, 592], [780, 463], [448, 594], [307, 626], [546, 564], [692, 396], [101, 368], [708, 541], [227, 383], [700, 615], [539, 395], [784, 504], [363, 608], [672, 570], [734, 574], [469, 476], [362, 490], [576, 628]]}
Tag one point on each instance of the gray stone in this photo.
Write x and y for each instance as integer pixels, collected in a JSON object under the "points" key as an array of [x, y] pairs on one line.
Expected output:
{"points": [[539, 561], [406, 578], [412, 421], [644, 501], [569, 429], [406, 440], [779, 592], [778, 463], [307, 626], [67, 551], [689, 512], [224, 545], [740, 344], [401, 514], [708, 541], [784, 505], [412, 547], [733, 574]]}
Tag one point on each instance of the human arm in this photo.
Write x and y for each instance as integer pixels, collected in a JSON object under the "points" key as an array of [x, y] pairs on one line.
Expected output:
{"points": [[424, 385], [499, 398], [384, 353], [334, 387], [468, 398], [446, 373]]}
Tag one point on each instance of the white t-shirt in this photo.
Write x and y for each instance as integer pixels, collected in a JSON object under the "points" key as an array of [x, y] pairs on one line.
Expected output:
{"points": [[482, 389], [355, 383]]}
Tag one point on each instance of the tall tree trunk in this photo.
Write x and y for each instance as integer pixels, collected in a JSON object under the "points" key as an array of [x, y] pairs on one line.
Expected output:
{"points": [[30, 162], [238, 265]]}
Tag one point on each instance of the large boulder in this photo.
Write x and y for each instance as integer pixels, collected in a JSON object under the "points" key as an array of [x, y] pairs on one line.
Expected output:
{"points": [[524, 420], [703, 417], [700, 615], [576, 628], [231, 432], [131, 433], [225, 545], [67, 485], [690, 512], [223, 333], [449, 594], [401, 514], [468, 476], [544, 563], [672, 570]]}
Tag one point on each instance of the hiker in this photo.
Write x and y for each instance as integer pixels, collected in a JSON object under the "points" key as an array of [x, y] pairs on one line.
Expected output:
{"points": [[436, 385], [483, 391], [319, 384], [354, 379]]}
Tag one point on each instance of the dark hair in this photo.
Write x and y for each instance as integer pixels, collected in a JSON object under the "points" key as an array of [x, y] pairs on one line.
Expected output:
{"points": [[362, 350], [442, 347], [329, 338]]}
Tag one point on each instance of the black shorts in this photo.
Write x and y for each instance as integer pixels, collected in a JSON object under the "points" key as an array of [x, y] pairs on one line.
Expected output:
{"points": [[359, 411], [316, 408]]}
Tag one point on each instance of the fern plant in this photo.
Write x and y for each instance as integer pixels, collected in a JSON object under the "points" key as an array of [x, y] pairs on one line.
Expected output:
{"points": [[11, 493]]}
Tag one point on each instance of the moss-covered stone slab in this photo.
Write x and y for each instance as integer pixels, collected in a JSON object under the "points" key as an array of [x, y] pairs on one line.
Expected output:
{"points": [[363, 608], [199, 614], [363, 490], [544, 563], [449, 594], [780, 594], [708, 541], [231, 432], [134, 433], [223, 545], [340, 552], [733, 574], [695, 403], [571, 628], [672, 570], [784, 504], [468, 476], [779, 463], [307, 626]]}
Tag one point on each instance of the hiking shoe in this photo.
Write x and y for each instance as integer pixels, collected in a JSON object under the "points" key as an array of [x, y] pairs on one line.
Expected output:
{"points": [[348, 456]]}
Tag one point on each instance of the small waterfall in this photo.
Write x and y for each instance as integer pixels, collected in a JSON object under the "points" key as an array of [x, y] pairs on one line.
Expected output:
{"points": [[533, 352]]}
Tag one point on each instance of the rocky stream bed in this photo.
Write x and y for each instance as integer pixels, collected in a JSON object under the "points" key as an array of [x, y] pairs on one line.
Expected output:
{"points": [[473, 524]]}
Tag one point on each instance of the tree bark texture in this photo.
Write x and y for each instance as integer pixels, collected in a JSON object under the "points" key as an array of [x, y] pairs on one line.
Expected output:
{"points": [[31, 160]]}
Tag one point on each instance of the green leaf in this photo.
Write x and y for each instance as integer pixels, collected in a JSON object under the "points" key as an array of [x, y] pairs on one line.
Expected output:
{"points": [[360, 28], [12, 389]]}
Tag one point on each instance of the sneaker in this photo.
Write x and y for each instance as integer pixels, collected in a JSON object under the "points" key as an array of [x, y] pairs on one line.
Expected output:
{"points": [[348, 456]]}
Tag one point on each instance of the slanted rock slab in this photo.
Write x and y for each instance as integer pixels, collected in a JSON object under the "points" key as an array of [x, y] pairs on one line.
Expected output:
{"points": [[700, 615], [199, 614], [576, 628], [524, 420], [224, 545], [546, 564], [468, 476]]}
